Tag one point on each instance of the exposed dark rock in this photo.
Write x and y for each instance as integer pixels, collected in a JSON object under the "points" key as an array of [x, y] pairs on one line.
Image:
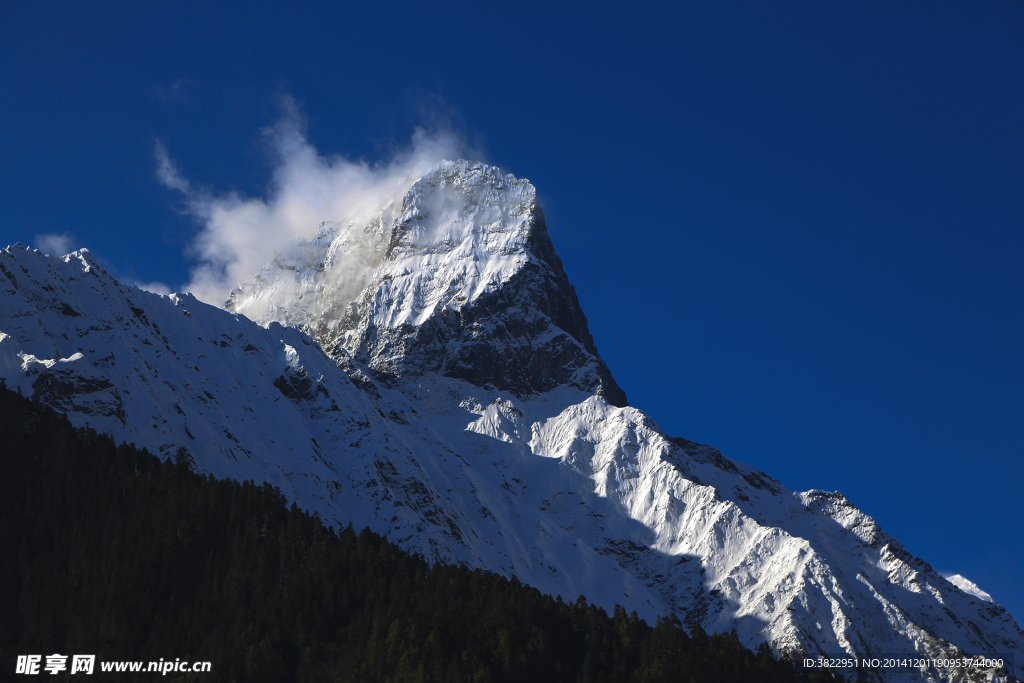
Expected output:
{"points": [[526, 337], [67, 392]]}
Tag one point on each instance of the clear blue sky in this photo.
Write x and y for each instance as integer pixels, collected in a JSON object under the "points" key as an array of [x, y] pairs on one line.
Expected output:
{"points": [[797, 229]]}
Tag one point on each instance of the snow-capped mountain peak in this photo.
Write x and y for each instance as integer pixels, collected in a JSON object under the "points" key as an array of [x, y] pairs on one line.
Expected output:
{"points": [[430, 374], [462, 281]]}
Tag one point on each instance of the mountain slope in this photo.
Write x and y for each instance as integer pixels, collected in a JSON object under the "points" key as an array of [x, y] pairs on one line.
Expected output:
{"points": [[171, 561], [431, 375]]}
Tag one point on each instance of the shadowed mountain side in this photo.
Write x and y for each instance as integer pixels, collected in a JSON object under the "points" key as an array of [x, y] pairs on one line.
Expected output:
{"points": [[526, 336]]}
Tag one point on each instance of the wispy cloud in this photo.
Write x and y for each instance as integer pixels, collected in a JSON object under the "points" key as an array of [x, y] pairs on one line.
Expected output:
{"points": [[175, 90], [167, 173], [55, 244], [240, 235]]}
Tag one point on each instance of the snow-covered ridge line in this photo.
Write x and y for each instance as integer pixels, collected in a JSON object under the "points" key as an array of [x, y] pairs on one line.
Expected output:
{"points": [[445, 390], [969, 587]]}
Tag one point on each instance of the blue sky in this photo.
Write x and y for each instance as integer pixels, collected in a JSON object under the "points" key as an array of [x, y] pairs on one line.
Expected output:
{"points": [[797, 229]]}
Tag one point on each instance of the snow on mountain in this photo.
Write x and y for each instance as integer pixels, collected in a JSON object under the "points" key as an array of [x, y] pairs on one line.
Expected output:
{"points": [[466, 284], [431, 375], [969, 587]]}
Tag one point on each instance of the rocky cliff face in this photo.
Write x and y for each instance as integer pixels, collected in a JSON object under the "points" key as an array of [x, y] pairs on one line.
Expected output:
{"points": [[431, 375], [465, 284]]}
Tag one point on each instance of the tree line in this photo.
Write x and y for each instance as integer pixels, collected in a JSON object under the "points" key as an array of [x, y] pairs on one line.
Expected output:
{"points": [[106, 549]]}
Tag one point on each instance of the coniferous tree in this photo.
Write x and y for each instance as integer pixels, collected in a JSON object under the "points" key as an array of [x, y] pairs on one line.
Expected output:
{"points": [[107, 550]]}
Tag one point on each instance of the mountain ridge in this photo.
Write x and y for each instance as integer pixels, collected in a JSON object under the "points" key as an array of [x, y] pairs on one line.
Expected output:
{"points": [[417, 407]]}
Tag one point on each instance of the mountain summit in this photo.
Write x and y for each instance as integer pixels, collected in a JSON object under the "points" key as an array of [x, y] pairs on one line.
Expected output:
{"points": [[431, 375], [463, 282]]}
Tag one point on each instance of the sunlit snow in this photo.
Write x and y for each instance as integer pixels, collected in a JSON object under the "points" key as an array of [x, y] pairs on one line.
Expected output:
{"points": [[317, 382]]}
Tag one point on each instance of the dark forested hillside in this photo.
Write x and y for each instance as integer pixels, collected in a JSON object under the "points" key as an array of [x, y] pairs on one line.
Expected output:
{"points": [[107, 550]]}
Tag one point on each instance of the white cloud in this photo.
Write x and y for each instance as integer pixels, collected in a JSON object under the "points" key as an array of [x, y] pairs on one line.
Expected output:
{"points": [[166, 172], [240, 235], [55, 244], [175, 90]]}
